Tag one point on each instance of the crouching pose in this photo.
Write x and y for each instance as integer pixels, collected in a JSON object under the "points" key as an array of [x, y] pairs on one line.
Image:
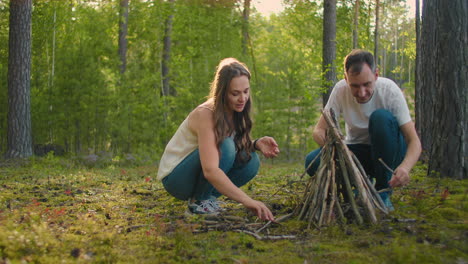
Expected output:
{"points": [[211, 154], [378, 124]]}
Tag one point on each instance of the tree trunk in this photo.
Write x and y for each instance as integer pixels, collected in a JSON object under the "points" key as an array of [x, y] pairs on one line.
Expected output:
{"points": [[417, 89], [356, 25], [78, 137], [50, 78], [123, 32], [165, 64], [123, 48], [329, 47], [376, 33], [19, 143], [383, 51], [245, 27], [444, 116], [383, 67], [394, 58], [247, 45]]}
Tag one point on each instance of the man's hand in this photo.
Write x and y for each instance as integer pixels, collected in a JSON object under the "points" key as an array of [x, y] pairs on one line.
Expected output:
{"points": [[268, 147], [400, 177], [401, 174], [320, 131]]}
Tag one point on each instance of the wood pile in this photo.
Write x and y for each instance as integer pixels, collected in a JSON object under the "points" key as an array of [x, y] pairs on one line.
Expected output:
{"points": [[340, 190]]}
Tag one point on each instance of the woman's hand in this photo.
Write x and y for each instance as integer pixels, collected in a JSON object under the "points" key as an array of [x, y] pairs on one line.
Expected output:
{"points": [[268, 147], [259, 209]]}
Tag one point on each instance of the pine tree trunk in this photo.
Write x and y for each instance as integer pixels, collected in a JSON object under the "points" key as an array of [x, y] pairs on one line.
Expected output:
{"points": [[418, 88], [123, 32], [51, 79], [245, 27], [356, 25], [19, 143], [376, 32], [329, 47], [165, 64], [117, 142], [444, 104]]}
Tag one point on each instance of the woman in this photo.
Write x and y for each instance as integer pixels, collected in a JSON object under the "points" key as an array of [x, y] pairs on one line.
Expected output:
{"points": [[211, 152]]}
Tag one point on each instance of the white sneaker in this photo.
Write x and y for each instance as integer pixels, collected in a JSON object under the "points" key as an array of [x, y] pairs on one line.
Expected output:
{"points": [[202, 207], [216, 204]]}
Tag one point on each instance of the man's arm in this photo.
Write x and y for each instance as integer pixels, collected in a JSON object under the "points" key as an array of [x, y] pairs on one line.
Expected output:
{"points": [[320, 131], [401, 173]]}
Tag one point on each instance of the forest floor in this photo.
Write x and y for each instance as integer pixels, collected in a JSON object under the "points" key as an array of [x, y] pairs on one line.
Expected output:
{"points": [[55, 210]]}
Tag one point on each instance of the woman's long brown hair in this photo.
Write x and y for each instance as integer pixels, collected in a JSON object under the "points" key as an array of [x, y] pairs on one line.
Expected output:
{"points": [[228, 69]]}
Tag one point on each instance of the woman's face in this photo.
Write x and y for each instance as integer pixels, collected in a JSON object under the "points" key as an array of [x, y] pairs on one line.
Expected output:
{"points": [[239, 93]]}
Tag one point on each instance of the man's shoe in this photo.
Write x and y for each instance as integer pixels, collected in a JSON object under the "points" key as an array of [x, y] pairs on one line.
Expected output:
{"points": [[386, 200]]}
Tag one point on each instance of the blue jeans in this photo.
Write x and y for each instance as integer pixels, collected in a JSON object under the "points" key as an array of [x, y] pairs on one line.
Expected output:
{"points": [[386, 142], [187, 181]]}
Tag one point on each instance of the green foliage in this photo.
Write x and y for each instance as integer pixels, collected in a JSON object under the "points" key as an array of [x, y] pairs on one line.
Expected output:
{"points": [[81, 101], [69, 213], [397, 43], [288, 80]]}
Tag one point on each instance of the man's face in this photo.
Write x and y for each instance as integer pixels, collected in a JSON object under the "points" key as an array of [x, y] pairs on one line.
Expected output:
{"points": [[362, 84]]}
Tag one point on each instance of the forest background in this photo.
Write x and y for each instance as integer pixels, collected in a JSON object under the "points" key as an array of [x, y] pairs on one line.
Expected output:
{"points": [[88, 102], [112, 79]]}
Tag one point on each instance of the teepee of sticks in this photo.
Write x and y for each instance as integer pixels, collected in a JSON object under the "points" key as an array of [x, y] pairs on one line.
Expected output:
{"points": [[339, 190]]}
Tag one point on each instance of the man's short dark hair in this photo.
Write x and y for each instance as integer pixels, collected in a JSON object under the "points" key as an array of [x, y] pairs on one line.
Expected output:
{"points": [[354, 61]]}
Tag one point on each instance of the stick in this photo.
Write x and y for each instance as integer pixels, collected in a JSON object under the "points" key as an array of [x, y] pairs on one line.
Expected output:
{"points": [[386, 166], [257, 236], [377, 199], [279, 219], [349, 191], [310, 164], [333, 192], [357, 177]]}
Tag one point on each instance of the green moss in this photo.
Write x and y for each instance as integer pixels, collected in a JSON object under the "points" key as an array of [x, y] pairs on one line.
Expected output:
{"points": [[448, 213], [51, 212]]}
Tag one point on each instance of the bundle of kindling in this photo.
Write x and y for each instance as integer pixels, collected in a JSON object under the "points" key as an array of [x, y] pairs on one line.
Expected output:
{"points": [[340, 190]]}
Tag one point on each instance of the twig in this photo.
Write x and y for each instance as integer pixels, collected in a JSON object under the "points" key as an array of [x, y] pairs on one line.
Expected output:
{"points": [[375, 194], [310, 164], [385, 190], [257, 236], [327, 183], [386, 166], [277, 221], [333, 193], [349, 190]]}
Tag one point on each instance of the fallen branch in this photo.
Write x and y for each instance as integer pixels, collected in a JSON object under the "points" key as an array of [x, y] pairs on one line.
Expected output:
{"points": [[278, 220], [267, 237]]}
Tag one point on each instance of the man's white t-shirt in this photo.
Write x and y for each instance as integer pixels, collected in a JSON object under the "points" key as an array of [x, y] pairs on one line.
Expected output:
{"points": [[387, 95]]}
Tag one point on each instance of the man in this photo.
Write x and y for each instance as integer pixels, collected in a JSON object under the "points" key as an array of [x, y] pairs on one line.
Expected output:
{"points": [[378, 124]]}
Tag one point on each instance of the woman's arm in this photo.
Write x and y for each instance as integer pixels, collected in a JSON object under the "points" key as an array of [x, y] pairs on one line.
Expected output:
{"points": [[201, 122]]}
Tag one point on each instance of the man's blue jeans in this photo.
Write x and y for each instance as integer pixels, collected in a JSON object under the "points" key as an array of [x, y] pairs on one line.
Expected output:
{"points": [[187, 181], [387, 142]]}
